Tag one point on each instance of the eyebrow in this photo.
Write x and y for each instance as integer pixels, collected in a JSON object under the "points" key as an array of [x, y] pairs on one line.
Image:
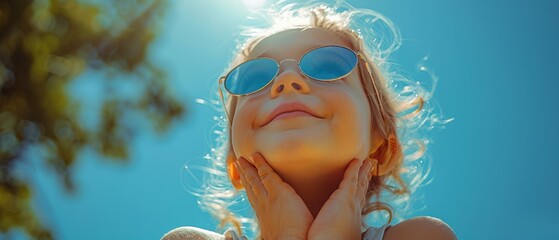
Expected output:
{"points": [[263, 53], [266, 54]]}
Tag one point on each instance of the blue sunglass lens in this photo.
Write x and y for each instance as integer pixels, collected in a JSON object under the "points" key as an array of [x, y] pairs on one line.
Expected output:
{"points": [[328, 63], [251, 76]]}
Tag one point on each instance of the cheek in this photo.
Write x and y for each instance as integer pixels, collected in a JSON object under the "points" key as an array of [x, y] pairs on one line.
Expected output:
{"points": [[242, 132], [352, 124]]}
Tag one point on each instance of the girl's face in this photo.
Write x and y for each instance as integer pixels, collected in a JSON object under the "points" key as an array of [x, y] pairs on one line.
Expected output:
{"points": [[336, 127]]}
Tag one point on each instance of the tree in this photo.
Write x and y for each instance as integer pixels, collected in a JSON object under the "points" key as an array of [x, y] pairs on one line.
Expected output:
{"points": [[44, 46]]}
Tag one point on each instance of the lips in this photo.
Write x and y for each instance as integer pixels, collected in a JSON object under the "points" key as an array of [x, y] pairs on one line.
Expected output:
{"points": [[293, 108]]}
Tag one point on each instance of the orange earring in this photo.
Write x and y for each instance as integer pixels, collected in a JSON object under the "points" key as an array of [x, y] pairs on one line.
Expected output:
{"points": [[234, 176], [375, 162]]}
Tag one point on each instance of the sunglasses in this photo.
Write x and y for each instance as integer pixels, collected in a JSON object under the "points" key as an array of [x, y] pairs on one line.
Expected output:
{"points": [[327, 63], [323, 64]]}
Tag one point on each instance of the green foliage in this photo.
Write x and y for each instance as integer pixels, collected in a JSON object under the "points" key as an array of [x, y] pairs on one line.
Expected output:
{"points": [[44, 46]]}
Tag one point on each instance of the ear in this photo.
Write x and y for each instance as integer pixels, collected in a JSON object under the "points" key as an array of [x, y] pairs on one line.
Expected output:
{"points": [[233, 172], [387, 153]]}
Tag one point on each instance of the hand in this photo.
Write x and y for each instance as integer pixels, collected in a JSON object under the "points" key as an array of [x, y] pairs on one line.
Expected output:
{"points": [[340, 217], [281, 212]]}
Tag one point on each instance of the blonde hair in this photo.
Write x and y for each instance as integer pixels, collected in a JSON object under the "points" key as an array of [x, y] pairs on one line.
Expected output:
{"points": [[404, 111]]}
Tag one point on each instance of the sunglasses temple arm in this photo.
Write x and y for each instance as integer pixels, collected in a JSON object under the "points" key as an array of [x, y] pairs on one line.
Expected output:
{"points": [[369, 71], [223, 101]]}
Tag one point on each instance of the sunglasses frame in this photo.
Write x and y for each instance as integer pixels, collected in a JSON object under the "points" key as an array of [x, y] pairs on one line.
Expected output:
{"points": [[278, 64], [358, 55]]}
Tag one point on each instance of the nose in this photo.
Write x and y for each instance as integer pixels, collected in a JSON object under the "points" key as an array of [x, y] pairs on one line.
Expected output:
{"points": [[289, 80]]}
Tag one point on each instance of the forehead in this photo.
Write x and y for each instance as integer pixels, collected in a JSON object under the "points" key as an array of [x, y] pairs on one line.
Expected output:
{"points": [[293, 43]]}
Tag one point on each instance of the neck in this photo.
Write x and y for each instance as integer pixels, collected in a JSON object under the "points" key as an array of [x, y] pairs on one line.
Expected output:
{"points": [[314, 188]]}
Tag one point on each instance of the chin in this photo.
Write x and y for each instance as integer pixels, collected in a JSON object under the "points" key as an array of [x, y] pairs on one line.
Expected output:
{"points": [[284, 155]]}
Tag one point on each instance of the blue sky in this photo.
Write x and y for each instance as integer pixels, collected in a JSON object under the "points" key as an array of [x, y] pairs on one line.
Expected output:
{"points": [[494, 169]]}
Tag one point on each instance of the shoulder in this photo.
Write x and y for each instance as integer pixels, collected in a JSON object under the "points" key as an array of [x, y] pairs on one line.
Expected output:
{"points": [[193, 233], [424, 227]]}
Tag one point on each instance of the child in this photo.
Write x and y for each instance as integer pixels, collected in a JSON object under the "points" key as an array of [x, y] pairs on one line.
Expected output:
{"points": [[314, 133]]}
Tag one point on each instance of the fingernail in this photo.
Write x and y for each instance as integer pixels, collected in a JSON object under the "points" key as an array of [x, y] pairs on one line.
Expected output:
{"points": [[239, 160], [371, 166], [359, 162], [365, 163]]}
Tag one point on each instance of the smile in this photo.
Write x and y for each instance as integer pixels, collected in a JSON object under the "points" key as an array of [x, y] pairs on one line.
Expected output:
{"points": [[292, 115], [289, 110]]}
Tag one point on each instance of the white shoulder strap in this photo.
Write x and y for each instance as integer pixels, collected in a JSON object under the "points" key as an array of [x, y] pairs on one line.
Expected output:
{"points": [[374, 233], [232, 235]]}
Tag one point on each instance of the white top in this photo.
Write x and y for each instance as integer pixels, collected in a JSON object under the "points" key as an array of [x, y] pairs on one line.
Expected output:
{"points": [[372, 233], [194, 233]]}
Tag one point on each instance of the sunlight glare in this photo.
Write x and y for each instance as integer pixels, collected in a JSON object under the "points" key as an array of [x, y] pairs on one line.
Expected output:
{"points": [[254, 4]]}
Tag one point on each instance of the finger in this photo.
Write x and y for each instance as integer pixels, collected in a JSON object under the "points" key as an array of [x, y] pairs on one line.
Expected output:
{"points": [[269, 177], [374, 164], [248, 188], [363, 181], [251, 176], [246, 184], [351, 176]]}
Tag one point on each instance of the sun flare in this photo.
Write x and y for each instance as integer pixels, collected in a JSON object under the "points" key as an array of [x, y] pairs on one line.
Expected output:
{"points": [[254, 4]]}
